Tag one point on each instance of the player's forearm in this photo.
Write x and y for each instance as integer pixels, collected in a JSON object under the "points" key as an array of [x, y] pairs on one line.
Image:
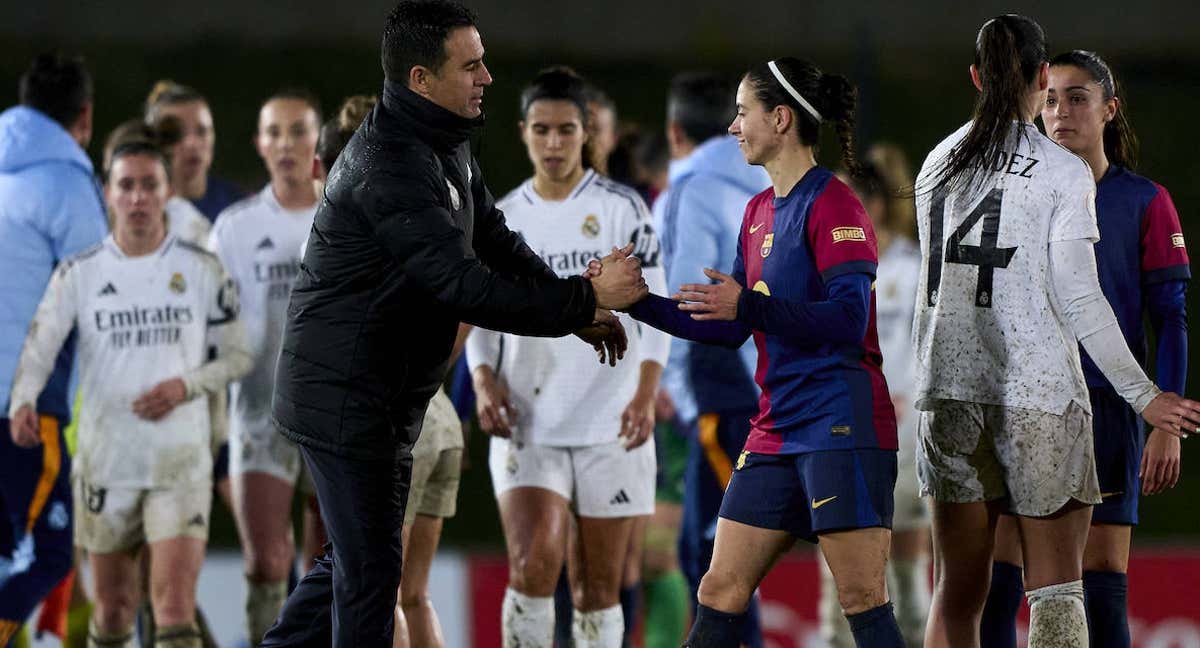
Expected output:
{"points": [[1166, 302], [664, 315], [648, 379], [842, 319], [1091, 319]]}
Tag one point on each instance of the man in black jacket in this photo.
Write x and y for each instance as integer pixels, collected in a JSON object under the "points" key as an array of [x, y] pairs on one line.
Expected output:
{"points": [[406, 244]]}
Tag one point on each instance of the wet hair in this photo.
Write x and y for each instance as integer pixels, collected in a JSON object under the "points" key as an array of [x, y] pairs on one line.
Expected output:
{"points": [[169, 93], [336, 133], [136, 137], [1120, 142], [57, 85], [832, 95], [702, 103], [415, 34], [1009, 50], [561, 83], [302, 95]]}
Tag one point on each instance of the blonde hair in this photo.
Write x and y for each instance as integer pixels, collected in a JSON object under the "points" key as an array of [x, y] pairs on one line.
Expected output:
{"points": [[896, 176], [169, 93]]}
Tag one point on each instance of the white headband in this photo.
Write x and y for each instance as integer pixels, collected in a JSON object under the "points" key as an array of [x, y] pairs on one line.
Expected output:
{"points": [[792, 91]]}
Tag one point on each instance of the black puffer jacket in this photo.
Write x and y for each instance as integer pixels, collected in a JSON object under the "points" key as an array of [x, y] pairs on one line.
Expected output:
{"points": [[406, 243]]}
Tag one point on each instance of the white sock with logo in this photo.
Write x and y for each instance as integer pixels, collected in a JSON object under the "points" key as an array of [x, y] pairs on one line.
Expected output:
{"points": [[599, 629], [527, 621], [1057, 618]]}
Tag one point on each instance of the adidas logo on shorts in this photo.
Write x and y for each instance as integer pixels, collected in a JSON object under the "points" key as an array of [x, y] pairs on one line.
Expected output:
{"points": [[619, 498]]}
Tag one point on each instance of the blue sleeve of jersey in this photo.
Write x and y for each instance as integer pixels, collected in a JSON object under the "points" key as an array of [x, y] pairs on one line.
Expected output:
{"points": [[664, 315], [1168, 315], [841, 319]]}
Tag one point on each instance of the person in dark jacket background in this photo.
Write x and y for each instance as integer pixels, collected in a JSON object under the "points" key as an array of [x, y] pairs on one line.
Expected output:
{"points": [[406, 244]]}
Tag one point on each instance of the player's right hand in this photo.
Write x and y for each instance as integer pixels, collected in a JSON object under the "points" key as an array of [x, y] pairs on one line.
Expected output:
{"points": [[1160, 462], [620, 283], [1174, 414], [24, 427], [492, 406]]}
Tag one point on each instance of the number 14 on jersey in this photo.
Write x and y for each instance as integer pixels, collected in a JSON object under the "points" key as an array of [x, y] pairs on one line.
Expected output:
{"points": [[986, 256]]}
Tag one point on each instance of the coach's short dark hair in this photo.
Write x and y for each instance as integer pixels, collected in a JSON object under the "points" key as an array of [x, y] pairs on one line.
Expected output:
{"points": [[58, 86], [702, 103], [415, 34]]}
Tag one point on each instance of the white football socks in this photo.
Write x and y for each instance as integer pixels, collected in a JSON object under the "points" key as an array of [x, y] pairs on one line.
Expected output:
{"points": [[527, 621], [599, 629], [1057, 618]]}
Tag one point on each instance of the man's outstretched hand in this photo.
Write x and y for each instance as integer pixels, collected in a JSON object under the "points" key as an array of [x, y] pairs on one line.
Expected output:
{"points": [[607, 337], [617, 279]]}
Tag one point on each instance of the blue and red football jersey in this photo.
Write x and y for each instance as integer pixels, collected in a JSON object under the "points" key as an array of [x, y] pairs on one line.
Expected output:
{"points": [[815, 395], [1141, 243]]}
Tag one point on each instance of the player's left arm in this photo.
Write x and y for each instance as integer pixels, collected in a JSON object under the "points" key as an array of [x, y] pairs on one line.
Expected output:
{"points": [[500, 248], [1165, 274]]}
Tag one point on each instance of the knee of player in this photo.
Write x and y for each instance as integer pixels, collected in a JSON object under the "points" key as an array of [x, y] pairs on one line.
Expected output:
{"points": [[415, 600], [174, 610], [860, 595], [724, 591], [533, 572], [269, 566], [114, 612]]}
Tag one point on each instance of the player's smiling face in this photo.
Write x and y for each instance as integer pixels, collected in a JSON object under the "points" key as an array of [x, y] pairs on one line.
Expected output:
{"points": [[458, 84], [287, 140], [1075, 111], [753, 126], [554, 136], [137, 196]]}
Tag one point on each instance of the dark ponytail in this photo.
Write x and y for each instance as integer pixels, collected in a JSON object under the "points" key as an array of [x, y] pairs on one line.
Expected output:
{"points": [[832, 95], [1009, 50], [1120, 142]]}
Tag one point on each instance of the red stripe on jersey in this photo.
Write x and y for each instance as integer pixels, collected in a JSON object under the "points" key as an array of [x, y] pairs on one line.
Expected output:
{"points": [[884, 415], [1162, 236]]}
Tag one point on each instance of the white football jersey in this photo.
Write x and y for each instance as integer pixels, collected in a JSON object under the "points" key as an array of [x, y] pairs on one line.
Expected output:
{"points": [[987, 326], [140, 321], [563, 395], [259, 242], [186, 222]]}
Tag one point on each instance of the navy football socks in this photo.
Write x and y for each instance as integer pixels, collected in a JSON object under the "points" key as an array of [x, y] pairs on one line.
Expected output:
{"points": [[1104, 596], [630, 605], [998, 627], [715, 629], [876, 628]]}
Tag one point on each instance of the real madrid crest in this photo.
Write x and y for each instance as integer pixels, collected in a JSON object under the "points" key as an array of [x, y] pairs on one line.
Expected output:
{"points": [[768, 240], [591, 226], [455, 199], [177, 283]]}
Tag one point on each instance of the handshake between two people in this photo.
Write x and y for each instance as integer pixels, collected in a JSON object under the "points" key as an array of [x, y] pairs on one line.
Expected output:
{"points": [[618, 284]]}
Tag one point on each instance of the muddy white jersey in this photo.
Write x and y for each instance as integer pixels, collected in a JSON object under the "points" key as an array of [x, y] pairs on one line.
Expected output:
{"points": [[987, 327], [186, 222], [140, 320], [259, 242], [563, 396]]}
